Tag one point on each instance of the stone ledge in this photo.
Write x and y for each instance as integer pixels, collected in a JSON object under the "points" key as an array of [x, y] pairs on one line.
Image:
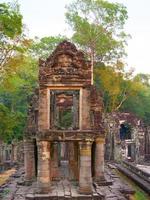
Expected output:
{"points": [[70, 135]]}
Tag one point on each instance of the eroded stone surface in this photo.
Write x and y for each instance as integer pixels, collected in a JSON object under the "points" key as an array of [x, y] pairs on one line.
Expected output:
{"points": [[65, 189]]}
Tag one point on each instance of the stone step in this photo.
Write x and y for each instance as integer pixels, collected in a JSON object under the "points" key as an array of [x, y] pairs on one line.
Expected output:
{"points": [[142, 183]]}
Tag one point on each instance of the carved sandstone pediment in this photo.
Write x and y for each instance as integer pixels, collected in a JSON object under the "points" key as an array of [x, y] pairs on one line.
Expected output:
{"points": [[65, 64]]}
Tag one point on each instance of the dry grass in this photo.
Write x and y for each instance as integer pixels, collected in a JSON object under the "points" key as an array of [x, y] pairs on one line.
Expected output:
{"points": [[5, 175]]}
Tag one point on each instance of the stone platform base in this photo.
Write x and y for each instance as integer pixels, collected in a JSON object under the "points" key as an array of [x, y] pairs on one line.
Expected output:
{"points": [[65, 189], [106, 181], [49, 197]]}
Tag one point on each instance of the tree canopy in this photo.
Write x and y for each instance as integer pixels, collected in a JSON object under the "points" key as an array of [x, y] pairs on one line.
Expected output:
{"points": [[139, 102], [18, 72], [12, 40], [10, 20], [98, 28], [42, 48]]}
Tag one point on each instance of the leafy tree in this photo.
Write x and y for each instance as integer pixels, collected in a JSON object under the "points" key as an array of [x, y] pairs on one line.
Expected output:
{"points": [[98, 28], [18, 85], [12, 40], [115, 84], [143, 78], [139, 104], [7, 122], [11, 124], [42, 48], [10, 20]]}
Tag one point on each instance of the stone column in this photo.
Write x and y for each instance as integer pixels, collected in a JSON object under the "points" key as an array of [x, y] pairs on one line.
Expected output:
{"points": [[99, 160], [29, 160], [85, 175], [73, 161], [44, 178], [54, 162]]}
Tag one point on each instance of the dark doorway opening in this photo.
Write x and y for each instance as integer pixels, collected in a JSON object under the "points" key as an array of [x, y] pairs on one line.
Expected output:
{"points": [[64, 160], [125, 132]]}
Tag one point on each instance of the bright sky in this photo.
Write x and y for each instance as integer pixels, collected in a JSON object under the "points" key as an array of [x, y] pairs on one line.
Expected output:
{"points": [[46, 18]]}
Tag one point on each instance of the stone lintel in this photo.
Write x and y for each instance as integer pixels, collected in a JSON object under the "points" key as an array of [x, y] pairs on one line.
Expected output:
{"points": [[63, 86], [67, 135]]}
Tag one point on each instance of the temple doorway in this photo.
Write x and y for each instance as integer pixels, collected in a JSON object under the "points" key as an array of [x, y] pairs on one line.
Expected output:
{"points": [[64, 163], [64, 160]]}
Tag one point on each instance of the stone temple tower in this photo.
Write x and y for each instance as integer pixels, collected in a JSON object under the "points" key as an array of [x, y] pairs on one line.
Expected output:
{"points": [[64, 138]]}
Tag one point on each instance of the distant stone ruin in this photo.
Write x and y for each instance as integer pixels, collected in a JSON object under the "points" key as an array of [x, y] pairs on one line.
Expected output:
{"points": [[11, 155], [127, 138]]}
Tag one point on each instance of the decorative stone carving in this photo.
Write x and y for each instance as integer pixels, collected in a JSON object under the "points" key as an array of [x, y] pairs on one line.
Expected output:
{"points": [[66, 64]]}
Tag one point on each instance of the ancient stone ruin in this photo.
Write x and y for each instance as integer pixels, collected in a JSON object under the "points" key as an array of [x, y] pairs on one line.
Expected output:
{"points": [[64, 137], [126, 139], [11, 154]]}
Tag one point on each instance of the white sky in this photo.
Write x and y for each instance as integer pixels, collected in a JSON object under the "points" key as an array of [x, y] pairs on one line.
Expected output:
{"points": [[46, 18]]}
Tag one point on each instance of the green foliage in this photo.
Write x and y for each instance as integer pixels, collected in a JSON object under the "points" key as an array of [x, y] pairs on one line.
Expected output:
{"points": [[18, 85], [10, 20], [143, 78], [18, 72], [140, 195], [98, 28], [139, 103], [12, 40], [66, 119], [11, 124], [114, 83], [43, 48]]}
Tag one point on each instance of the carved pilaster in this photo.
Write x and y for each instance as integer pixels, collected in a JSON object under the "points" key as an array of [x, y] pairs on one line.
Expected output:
{"points": [[44, 178], [29, 160], [85, 176], [73, 161], [99, 160]]}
